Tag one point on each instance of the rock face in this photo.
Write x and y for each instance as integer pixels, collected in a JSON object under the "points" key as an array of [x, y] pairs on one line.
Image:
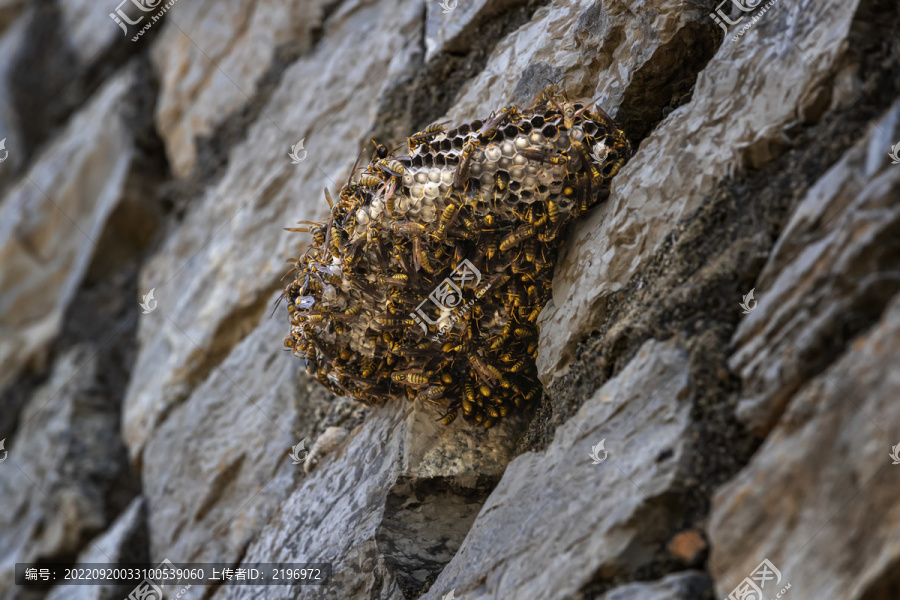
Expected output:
{"points": [[52, 219], [124, 542], [832, 270], [576, 518], [213, 63], [65, 478], [681, 441], [743, 100], [847, 416]]}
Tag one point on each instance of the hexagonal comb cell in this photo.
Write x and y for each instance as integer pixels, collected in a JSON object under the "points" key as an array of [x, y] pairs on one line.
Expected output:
{"points": [[426, 280]]}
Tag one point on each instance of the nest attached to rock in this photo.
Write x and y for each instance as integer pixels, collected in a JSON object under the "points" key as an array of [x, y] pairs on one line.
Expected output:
{"points": [[427, 280]]}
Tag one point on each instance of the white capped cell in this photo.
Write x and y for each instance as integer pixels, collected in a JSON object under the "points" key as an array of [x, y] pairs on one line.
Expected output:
{"points": [[432, 189], [492, 153]]}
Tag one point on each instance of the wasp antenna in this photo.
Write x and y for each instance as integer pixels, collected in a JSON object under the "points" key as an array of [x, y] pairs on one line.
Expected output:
{"points": [[277, 303], [356, 164], [328, 198], [587, 106]]}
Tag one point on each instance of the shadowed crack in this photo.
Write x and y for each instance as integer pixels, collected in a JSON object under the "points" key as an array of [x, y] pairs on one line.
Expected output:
{"points": [[424, 523]]}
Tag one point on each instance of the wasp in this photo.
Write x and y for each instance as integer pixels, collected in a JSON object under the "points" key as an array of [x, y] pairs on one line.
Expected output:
{"points": [[448, 418], [516, 237], [494, 121], [429, 132], [583, 202], [380, 150], [392, 167], [521, 333], [462, 170], [492, 247], [503, 336], [370, 180], [396, 279], [548, 93], [407, 228], [433, 393], [316, 229], [368, 368], [542, 156], [530, 249], [448, 216], [568, 111], [501, 180], [417, 379], [399, 376], [469, 223], [587, 162], [422, 256], [552, 211], [487, 371], [392, 322], [604, 117]]}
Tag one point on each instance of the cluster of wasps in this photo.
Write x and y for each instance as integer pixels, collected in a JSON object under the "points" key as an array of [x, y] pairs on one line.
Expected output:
{"points": [[427, 278]]}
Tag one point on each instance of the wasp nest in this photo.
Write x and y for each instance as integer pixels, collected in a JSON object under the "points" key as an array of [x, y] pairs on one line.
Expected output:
{"points": [[427, 279]]}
